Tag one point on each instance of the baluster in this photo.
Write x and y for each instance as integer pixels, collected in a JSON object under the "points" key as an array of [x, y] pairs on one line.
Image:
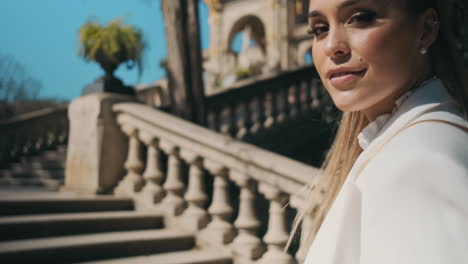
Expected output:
{"points": [[152, 192], [132, 181], [272, 117], [245, 121], [315, 94], [276, 236], [195, 217], [296, 88], [247, 246], [219, 230], [214, 118], [260, 116], [174, 186], [308, 86], [306, 228], [305, 95], [230, 128], [217, 118], [286, 108], [306, 238], [233, 118]]}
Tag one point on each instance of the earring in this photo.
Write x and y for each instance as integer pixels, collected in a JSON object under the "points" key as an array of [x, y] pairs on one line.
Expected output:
{"points": [[423, 51]]}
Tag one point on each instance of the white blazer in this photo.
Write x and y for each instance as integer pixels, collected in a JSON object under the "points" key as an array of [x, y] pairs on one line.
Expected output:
{"points": [[410, 203]]}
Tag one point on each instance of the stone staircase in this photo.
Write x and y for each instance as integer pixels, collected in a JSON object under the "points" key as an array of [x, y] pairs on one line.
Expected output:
{"points": [[62, 228], [43, 170], [39, 223]]}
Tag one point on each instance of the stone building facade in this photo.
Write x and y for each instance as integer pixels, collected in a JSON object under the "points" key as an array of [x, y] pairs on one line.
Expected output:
{"points": [[274, 39]]}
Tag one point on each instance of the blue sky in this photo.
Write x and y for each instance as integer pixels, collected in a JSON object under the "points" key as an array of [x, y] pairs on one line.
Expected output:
{"points": [[43, 36]]}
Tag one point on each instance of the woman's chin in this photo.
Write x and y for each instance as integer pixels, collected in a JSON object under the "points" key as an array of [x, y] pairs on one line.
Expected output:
{"points": [[347, 104]]}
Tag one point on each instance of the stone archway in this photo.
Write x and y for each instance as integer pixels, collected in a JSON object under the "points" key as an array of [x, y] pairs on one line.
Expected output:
{"points": [[256, 27], [304, 48], [251, 58]]}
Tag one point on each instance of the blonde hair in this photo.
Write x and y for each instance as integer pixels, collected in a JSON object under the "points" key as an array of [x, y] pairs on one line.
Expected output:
{"points": [[335, 169]]}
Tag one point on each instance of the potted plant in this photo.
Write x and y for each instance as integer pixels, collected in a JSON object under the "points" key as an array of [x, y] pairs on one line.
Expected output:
{"points": [[111, 46]]}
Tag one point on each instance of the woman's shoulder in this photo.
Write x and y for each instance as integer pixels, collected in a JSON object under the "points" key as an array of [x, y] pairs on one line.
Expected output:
{"points": [[437, 132], [433, 151]]}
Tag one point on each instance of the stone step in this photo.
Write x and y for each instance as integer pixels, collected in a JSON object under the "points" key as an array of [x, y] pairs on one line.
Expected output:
{"points": [[22, 206], [50, 155], [179, 257], [39, 164], [21, 172], [81, 248], [50, 184], [35, 226]]}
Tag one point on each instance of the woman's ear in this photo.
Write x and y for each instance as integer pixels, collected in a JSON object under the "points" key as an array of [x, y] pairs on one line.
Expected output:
{"points": [[430, 26]]}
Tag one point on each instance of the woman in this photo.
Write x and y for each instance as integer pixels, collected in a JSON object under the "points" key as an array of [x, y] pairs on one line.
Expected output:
{"points": [[396, 177]]}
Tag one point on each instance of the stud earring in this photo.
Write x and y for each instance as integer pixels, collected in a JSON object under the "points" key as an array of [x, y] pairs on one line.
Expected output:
{"points": [[423, 51]]}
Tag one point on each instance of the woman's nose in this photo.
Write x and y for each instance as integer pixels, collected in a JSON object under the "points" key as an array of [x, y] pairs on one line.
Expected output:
{"points": [[337, 45]]}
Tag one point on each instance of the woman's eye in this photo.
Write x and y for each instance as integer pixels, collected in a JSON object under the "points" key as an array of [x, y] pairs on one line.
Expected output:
{"points": [[362, 17], [317, 31]]}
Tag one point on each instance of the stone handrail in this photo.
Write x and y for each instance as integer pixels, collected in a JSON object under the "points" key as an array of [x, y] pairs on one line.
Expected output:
{"points": [[228, 163], [254, 105], [33, 132]]}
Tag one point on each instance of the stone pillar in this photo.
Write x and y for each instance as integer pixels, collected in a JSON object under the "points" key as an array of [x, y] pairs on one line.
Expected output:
{"points": [[273, 36], [184, 59], [307, 225], [247, 246], [133, 181], [277, 235], [97, 148], [152, 192], [306, 238], [215, 64], [220, 230], [173, 203], [195, 217]]}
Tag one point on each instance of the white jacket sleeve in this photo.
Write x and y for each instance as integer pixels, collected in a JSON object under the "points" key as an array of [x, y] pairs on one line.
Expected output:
{"points": [[416, 212]]}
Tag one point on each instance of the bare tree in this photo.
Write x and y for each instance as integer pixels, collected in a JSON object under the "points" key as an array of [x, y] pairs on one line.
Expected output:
{"points": [[15, 82], [18, 90]]}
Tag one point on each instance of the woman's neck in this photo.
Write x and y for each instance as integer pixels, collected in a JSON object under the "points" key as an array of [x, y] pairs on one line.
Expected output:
{"points": [[389, 103]]}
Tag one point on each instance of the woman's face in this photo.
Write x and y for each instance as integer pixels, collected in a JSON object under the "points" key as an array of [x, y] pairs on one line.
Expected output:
{"points": [[367, 52]]}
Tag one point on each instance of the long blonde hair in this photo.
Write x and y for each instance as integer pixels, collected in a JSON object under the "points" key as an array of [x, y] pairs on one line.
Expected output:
{"points": [[345, 148]]}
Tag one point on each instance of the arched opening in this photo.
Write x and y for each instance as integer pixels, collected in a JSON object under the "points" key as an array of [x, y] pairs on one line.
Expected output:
{"points": [[247, 49], [249, 26], [308, 59], [238, 42]]}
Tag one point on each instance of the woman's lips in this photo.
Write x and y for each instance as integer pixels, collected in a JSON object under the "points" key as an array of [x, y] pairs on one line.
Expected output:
{"points": [[339, 80]]}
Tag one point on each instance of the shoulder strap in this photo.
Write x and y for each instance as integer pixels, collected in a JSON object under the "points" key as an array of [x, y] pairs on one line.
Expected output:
{"points": [[379, 148]]}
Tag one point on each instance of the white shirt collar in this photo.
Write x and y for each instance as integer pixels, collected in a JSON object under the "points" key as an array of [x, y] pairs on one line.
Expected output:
{"points": [[374, 129]]}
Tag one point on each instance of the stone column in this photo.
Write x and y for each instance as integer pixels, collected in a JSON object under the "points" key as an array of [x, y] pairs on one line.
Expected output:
{"points": [[133, 181], [306, 228], [174, 186], [152, 192], [184, 59], [195, 217], [277, 235], [220, 230], [215, 64], [97, 148], [247, 246]]}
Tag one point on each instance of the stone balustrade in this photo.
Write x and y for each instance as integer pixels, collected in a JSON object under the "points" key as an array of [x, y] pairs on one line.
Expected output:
{"points": [[211, 184], [30, 133], [255, 105]]}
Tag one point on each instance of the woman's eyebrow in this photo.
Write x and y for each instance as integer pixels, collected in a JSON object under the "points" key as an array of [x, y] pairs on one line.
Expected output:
{"points": [[348, 3]]}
